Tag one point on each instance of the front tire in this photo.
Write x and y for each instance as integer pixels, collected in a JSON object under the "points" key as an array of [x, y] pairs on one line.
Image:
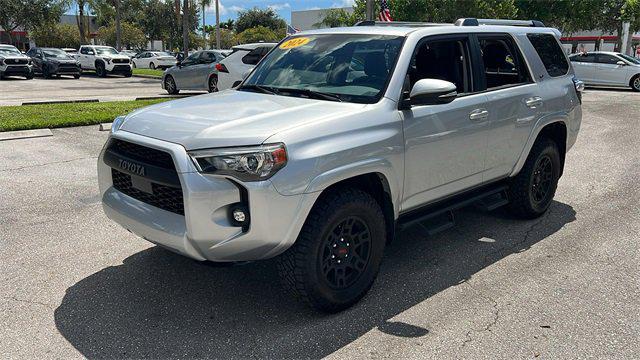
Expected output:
{"points": [[533, 189], [152, 66], [337, 255], [46, 73], [170, 85], [100, 70]]}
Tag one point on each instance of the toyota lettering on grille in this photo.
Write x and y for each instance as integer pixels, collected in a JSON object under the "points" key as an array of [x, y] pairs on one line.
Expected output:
{"points": [[131, 167]]}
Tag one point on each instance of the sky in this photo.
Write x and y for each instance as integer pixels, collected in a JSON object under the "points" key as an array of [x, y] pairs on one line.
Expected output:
{"points": [[229, 8]]}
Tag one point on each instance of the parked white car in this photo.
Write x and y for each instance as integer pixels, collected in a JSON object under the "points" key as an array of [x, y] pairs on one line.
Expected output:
{"points": [[104, 60], [607, 69], [153, 60], [241, 61]]}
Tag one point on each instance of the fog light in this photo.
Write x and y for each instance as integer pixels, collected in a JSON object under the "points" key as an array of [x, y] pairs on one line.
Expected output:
{"points": [[239, 216]]}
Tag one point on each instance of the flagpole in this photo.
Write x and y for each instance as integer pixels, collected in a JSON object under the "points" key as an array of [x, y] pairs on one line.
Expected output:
{"points": [[217, 24], [370, 8]]}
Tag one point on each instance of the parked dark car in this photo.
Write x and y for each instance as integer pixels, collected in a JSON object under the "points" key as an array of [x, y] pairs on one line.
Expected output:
{"points": [[54, 62]]}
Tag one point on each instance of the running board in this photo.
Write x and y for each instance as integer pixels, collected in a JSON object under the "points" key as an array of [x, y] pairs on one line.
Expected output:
{"points": [[438, 216]]}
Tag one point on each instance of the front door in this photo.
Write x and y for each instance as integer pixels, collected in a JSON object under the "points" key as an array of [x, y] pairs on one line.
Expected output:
{"points": [[608, 72], [445, 144]]}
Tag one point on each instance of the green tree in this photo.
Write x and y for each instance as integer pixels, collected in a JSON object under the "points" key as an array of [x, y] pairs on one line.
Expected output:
{"points": [[336, 18], [229, 24], [29, 14], [256, 17], [132, 37], [56, 35], [258, 34], [227, 38]]}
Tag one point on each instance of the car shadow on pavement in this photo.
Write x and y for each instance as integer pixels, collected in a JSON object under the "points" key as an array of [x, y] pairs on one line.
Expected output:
{"points": [[159, 305]]}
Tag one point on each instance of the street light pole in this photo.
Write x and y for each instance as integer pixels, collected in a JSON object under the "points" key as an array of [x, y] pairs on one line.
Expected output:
{"points": [[217, 24]]}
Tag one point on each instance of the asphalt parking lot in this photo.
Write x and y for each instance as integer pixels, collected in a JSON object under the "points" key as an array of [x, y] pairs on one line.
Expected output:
{"points": [[15, 91], [566, 285]]}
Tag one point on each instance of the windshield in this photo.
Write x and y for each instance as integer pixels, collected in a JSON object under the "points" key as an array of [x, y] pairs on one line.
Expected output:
{"points": [[630, 59], [55, 53], [9, 51], [106, 51], [348, 67]]}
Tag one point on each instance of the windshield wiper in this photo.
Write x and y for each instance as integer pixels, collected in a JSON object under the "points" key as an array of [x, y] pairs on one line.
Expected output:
{"points": [[311, 94], [260, 88]]}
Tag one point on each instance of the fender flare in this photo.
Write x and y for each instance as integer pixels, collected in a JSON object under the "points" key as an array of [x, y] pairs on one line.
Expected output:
{"points": [[379, 166], [540, 124]]}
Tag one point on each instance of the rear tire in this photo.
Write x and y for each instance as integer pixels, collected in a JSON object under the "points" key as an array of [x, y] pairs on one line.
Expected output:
{"points": [[76, 77], [533, 189], [635, 83], [170, 85], [337, 255], [213, 83]]}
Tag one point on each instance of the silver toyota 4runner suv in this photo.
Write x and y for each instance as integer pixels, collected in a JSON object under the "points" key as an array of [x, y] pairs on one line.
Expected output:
{"points": [[339, 138]]}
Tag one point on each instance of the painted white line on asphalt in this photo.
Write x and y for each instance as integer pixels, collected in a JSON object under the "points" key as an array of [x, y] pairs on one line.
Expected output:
{"points": [[105, 127], [24, 134]]}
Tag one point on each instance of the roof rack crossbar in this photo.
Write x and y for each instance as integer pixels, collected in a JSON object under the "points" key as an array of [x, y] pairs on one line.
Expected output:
{"points": [[502, 22], [397, 23]]}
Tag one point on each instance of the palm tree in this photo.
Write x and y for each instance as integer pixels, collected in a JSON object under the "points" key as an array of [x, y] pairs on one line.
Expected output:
{"points": [[204, 4]]}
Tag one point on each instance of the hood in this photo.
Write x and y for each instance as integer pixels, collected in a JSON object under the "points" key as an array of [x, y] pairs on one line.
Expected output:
{"points": [[14, 56], [62, 61], [107, 56], [230, 118]]}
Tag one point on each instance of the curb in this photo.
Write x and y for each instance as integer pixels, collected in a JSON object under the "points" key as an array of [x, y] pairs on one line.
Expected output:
{"points": [[25, 134], [162, 97], [105, 127], [148, 76], [59, 102]]}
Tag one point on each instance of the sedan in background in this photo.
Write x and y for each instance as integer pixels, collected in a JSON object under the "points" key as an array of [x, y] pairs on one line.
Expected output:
{"points": [[54, 62], [196, 72], [603, 68], [154, 60], [130, 53], [240, 62]]}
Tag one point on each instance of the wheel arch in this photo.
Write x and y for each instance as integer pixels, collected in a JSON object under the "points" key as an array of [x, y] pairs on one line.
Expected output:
{"points": [[555, 130], [375, 184], [632, 78]]}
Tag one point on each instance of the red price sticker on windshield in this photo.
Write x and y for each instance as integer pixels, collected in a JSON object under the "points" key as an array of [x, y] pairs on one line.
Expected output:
{"points": [[294, 43]]}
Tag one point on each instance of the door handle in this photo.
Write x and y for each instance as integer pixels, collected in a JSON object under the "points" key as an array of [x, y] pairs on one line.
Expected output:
{"points": [[533, 102], [479, 114]]}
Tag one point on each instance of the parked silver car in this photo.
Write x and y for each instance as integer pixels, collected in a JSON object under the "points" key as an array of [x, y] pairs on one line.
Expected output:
{"points": [[603, 68], [14, 63], [240, 62], [341, 136], [196, 72]]}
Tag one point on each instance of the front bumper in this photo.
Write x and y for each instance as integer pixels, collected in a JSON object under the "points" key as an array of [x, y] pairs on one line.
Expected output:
{"points": [[19, 70], [205, 231], [118, 68]]}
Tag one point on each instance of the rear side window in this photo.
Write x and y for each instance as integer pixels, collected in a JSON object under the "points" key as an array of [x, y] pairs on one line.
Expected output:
{"points": [[253, 57], [550, 53], [503, 64]]}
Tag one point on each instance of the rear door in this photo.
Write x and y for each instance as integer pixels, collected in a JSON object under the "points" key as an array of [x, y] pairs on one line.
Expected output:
{"points": [[608, 72], [514, 101], [584, 66]]}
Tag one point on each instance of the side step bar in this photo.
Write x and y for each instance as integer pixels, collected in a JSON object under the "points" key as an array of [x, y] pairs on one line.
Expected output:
{"points": [[438, 216]]}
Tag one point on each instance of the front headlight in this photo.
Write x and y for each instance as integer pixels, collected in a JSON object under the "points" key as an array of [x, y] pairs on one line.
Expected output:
{"points": [[117, 123], [255, 163]]}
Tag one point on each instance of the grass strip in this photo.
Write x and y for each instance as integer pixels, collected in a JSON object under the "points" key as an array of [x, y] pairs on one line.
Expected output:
{"points": [[149, 72], [64, 115]]}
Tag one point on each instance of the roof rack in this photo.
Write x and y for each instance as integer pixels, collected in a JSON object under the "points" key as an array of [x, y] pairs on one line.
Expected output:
{"points": [[459, 22], [502, 22], [397, 23]]}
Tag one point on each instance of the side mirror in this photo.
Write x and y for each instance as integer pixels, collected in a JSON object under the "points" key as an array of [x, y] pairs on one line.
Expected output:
{"points": [[91, 52], [621, 63], [432, 92]]}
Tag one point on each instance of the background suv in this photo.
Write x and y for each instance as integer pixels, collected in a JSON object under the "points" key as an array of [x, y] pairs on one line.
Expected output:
{"points": [[54, 62], [241, 61], [341, 136], [607, 69], [13, 62], [104, 60]]}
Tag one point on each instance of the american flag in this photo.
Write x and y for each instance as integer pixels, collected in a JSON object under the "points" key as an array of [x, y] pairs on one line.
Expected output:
{"points": [[385, 14]]}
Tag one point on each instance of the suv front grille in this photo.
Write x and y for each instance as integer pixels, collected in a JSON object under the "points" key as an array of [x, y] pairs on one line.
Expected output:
{"points": [[120, 61], [142, 153], [164, 197], [156, 181]]}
